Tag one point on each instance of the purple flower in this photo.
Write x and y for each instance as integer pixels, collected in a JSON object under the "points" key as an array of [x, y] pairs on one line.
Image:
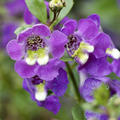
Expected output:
{"points": [[87, 37], [47, 72], [16, 7], [97, 71], [34, 45], [8, 33], [90, 115], [87, 89], [45, 92], [96, 116]]}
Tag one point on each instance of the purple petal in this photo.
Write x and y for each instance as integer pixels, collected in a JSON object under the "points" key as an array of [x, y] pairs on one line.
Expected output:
{"points": [[97, 67], [41, 29], [8, 33], [51, 103], [57, 43], [115, 85], [15, 7], [96, 19], [102, 42], [59, 84], [119, 118], [47, 7], [25, 85], [38, 29], [60, 24], [22, 37], [51, 70], [87, 29], [69, 27], [116, 67], [29, 18], [25, 70], [15, 50], [29, 87], [87, 89], [90, 114], [104, 117]]}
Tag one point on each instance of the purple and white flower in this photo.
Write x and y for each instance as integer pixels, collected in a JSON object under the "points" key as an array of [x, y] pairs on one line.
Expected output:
{"points": [[87, 37], [45, 88], [34, 45], [97, 71]]}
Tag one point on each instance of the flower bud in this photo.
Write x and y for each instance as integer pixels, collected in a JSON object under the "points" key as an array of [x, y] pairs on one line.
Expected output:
{"points": [[56, 5]]}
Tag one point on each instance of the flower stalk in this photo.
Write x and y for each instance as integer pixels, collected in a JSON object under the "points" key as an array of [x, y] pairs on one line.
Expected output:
{"points": [[79, 98]]}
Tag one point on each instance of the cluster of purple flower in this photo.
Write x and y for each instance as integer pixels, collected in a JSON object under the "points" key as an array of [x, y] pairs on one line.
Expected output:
{"points": [[37, 51]]}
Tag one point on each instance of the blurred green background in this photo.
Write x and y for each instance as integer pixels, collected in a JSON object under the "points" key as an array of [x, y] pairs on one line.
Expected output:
{"points": [[15, 103]]}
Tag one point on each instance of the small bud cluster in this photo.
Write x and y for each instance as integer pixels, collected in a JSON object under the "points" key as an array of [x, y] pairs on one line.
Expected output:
{"points": [[56, 5]]}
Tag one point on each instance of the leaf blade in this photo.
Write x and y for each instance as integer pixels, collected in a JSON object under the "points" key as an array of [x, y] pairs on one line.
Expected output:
{"points": [[38, 9], [78, 113]]}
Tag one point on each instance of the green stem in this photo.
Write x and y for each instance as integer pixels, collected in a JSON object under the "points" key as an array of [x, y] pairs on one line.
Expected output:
{"points": [[74, 83]]}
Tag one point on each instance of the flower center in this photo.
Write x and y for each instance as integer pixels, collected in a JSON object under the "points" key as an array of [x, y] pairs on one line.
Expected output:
{"points": [[78, 49], [72, 45], [34, 43], [36, 80], [37, 51], [38, 87]]}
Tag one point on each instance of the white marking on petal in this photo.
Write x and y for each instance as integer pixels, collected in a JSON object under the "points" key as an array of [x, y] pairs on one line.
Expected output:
{"points": [[83, 77], [87, 47], [115, 53], [90, 48], [83, 58], [30, 61], [41, 96], [43, 60]]}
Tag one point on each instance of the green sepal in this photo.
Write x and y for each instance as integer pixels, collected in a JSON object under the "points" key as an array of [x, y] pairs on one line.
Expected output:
{"points": [[102, 94], [20, 29]]}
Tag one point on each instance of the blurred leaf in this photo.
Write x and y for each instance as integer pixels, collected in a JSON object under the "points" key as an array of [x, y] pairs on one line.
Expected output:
{"points": [[102, 94], [65, 112], [114, 105], [38, 8], [113, 76], [20, 29], [108, 11], [64, 11], [110, 60], [78, 113]]}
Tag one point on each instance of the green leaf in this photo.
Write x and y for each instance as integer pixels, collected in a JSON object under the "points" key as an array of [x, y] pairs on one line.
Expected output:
{"points": [[20, 29], [78, 113], [38, 9], [113, 76], [110, 60], [64, 12], [102, 94]]}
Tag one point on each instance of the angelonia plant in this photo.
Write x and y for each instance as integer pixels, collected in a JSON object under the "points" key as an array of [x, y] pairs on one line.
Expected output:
{"points": [[50, 46]]}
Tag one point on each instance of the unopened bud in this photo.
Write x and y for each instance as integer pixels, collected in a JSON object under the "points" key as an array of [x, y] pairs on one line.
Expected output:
{"points": [[56, 5]]}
